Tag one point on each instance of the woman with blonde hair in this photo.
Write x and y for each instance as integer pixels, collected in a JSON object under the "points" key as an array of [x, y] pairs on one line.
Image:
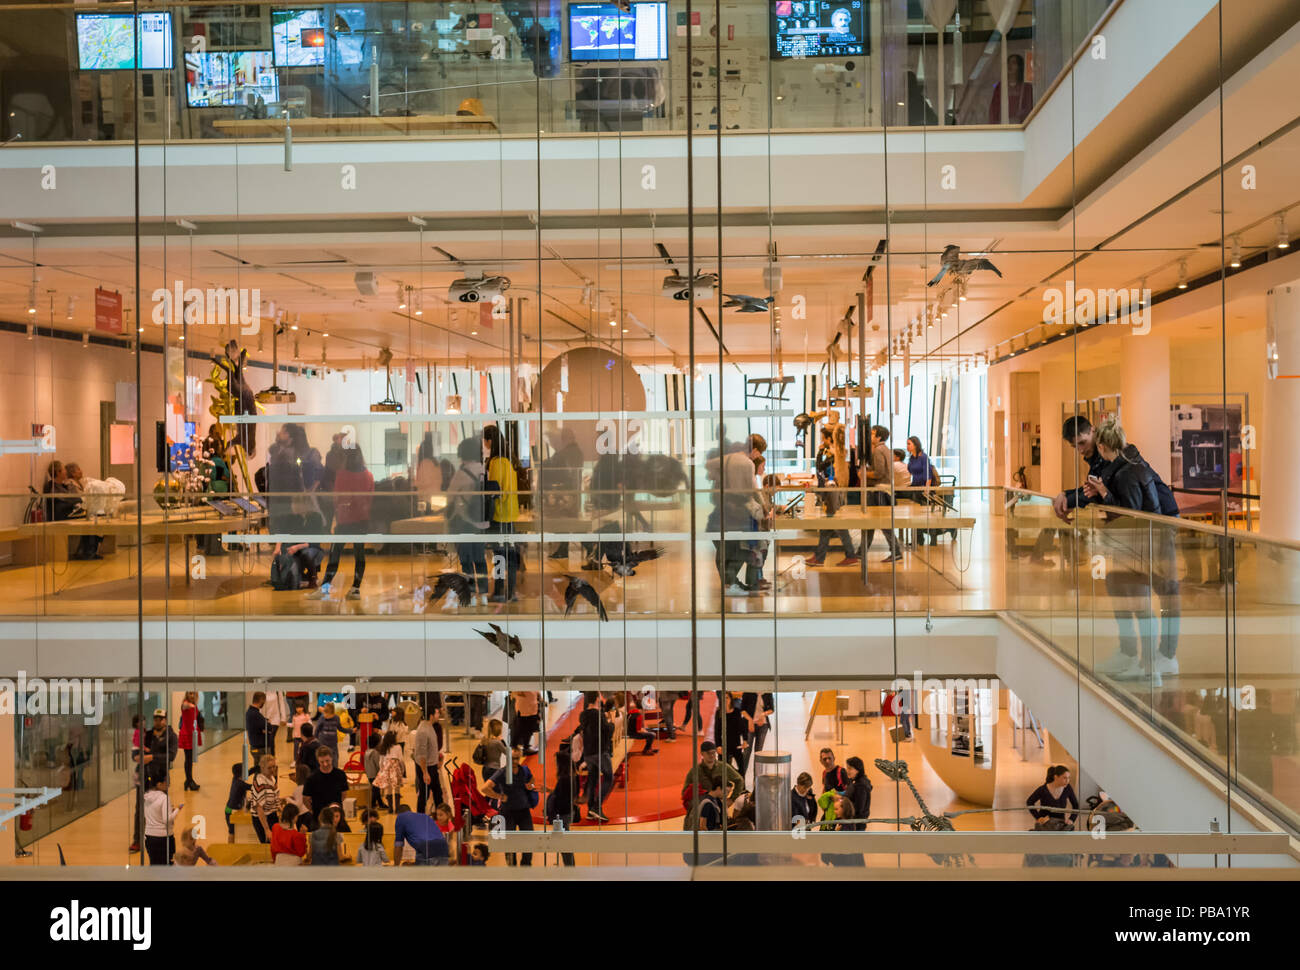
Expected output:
{"points": [[190, 734], [1140, 561], [189, 852]]}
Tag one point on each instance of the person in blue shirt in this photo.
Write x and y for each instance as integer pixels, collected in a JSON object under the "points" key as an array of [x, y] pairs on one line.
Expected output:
{"points": [[422, 834], [518, 796]]}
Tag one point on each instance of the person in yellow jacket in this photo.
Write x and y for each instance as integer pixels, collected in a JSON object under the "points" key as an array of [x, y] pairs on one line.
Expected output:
{"points": [[505, 556]]}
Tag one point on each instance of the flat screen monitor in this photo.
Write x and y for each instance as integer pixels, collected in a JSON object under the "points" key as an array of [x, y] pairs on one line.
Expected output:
{"points": [[298, 37], [104, 42], [819, 28], [349, 33], [219, 79], [602, 32]]}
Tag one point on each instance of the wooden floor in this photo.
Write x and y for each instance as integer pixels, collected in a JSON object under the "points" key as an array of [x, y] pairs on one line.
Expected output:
{"points": [[102, 836]]}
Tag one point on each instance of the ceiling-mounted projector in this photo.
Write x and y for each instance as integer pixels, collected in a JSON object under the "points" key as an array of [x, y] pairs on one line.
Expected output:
{"points": [[478, 289], [367, 283], [679, 287]]}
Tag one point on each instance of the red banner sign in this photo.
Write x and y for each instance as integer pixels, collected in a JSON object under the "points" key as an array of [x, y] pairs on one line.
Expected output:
{"points": [[108, 311]]}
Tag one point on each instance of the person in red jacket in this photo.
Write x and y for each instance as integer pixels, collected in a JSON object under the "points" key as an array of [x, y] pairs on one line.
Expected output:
{"points": [[354, 488], [191, 735]]}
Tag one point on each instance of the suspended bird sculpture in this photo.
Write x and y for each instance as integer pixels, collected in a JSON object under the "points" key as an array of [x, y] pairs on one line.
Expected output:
{"points": [[951, 264], [580, 587], [747, 304], [507, 643], [622, 559], [457, 587]]}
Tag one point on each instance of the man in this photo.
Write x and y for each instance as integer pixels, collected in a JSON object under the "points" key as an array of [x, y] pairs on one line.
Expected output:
{"points": [[160, 745], [881, 472], [760, 717], [718, 779], [738, 509], [527, 720], [426, 751], [834, 778], [422, 834], [517, 795], [327, 786], [597, 753], [260, 731]]}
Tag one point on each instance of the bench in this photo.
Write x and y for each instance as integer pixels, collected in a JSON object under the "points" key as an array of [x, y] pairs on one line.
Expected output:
{"points": [[240, 853]]}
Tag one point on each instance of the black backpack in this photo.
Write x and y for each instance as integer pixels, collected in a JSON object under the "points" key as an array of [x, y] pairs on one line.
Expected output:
{"points": [[483, 505], [286, 572]]}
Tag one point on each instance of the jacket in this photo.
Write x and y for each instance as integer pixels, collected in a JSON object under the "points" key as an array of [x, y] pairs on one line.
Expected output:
{"points": [[502, 471], [353, 509], [859, 793], [1074, 497], [461, 500], [1130, 482]]}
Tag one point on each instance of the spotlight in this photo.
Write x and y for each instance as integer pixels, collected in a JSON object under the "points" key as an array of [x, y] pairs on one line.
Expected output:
{"points": [[1236, 253], [1283, 240], [1182, 274]]}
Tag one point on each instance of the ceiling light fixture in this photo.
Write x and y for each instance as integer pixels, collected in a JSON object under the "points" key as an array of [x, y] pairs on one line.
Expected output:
{"points": [[1182, 274], [1283, 240], [1236, 253]]}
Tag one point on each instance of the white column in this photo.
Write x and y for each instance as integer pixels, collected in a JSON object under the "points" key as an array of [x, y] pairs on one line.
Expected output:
{"points": [[1145, 397], [1055, 387], [1279, 460], [7, 775]]}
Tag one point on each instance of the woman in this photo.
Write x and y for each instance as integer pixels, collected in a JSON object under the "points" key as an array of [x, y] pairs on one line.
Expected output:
{"points": [[491, 753], [505, 511], [1138, 561], [87, 545], [392, 769], [1055, 792], [354, 488], [189, 852], [803, 802], [859, 790], [159, 843], [562, 803], [466, 515], [191, 735], [264, 797], [831, 495], [1020, 96], [924, 475]]}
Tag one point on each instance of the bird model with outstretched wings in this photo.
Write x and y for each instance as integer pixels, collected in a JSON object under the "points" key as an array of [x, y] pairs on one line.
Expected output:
{"points": [[580, 587], [747, 304], [457, 587], [507, 643], [951, 264]]}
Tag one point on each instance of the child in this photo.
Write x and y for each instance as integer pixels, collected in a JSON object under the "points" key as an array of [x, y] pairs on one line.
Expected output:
{"points": [[372, 852], [392, 769], [478, 854], [450, 825], [372, 763], [235, 800], [295, 727]]}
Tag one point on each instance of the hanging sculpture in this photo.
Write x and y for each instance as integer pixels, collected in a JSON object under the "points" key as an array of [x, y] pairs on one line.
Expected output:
{"points": [[232, 396]]}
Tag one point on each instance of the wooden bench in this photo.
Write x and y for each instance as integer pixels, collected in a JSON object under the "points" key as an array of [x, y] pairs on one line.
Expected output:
{"points": [[240, 853]]}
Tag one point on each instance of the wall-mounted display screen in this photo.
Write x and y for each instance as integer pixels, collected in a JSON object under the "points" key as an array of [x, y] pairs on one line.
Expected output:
{"points": [[348, 31], [104, 42], [602, 32], [298, 37], [217, 79], [819, 28]]}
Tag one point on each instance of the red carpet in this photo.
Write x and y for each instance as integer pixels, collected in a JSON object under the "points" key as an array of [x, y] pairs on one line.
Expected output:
{"points": [[652, 784]]}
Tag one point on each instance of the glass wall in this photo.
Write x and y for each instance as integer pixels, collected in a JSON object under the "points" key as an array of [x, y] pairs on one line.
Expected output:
{"points": [[630, 379]]}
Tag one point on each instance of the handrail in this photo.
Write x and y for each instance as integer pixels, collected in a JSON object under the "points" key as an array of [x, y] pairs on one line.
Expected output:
{"points": [[1167, 521]]}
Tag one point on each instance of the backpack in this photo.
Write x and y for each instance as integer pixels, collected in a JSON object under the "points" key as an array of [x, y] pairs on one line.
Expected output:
{"points": [[575, 747], [286, 573], [483, 506]]}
